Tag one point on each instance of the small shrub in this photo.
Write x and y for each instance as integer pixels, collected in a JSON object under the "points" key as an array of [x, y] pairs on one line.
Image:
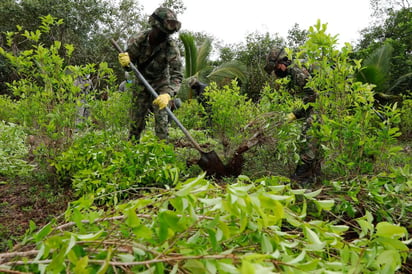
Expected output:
{"points": [[102, 164], [230, 113], [13, 151]]}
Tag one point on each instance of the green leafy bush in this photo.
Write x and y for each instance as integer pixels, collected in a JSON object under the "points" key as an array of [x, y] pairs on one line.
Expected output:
{"points": [[192, 115], [13, 151], [384, 195], [230, 112], [102, 164], [47, 94], [353, 138], [198, 227]]}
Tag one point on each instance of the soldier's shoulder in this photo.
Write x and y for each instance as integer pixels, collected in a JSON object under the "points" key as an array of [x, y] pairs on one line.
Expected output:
{"points": [[138, 37]]}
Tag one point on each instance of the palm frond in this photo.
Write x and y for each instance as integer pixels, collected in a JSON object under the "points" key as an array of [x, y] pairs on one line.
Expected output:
{"points": [[400, 80], [376, 67], [190, 54], [380, 58], [371, 75], [203, 55], [229, 70]]}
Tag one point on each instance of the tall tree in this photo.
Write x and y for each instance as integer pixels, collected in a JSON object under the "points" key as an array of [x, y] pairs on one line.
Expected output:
{"points": [[253, 53], [381, 8], [87, 25], [176, 5], [296, 37]]}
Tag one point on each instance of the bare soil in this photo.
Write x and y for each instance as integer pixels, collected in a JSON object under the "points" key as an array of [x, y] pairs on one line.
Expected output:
{"points": [[21, 202]]}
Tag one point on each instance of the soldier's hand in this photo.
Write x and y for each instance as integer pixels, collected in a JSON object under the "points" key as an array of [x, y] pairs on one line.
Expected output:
{"points": [[124, 59], [162, 100], [290, 117]]}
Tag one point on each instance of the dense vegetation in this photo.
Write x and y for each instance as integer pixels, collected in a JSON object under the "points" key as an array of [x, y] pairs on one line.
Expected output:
{"points": [[149, 208]]}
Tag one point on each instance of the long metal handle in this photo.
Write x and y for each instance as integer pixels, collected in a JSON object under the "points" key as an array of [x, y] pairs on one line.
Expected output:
{"points": [[154, 93]]}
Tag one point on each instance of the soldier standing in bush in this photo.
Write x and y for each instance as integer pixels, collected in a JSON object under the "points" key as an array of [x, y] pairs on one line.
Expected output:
{"points": [[278, 63], [157, 57]]}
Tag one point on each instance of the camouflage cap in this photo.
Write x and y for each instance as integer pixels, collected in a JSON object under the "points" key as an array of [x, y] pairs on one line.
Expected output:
{"points": [[276, 54], [165, 19]]}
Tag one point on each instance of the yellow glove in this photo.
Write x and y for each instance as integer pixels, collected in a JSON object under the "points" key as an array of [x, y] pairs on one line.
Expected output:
{"points": [[290, 117], [124, 59], [162, 100]]}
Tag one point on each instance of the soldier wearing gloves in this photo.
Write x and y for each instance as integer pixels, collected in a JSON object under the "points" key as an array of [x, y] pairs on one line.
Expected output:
{"points": [[278, 63], [157, 57]]}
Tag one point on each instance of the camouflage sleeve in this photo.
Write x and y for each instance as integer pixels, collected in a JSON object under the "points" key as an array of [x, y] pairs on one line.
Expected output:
{"points": [[175, 69], [134, 46], [300, 77]]}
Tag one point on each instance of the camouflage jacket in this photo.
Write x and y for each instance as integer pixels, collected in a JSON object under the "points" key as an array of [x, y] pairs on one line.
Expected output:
{"points": [[297, 86], [160, 66]]}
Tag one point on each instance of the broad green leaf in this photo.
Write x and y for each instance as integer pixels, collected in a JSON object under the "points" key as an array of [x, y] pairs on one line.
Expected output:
{"points": [[339, 228], [312, 266], [297, 259], [277, 197], [171, 220], [214, 203], [391, 258], [239, 190], [389, 230], [81, 265], [190, 185], [227, 268], [278, 188], [211, 266], [325, 204], [312, 194], [105, 266], [365, 227], [334, 266], [298, 191], [139, 251], [393, 243], [90, 236], [345, 254], [143, 232], [57, 264], [175, 269], [195, 266], [247, 267], [32, 225], [131, 218], [314, 242], [70, 245], [41, 252], [292, 219], [43, 232], [126, 258], [267, 246]]}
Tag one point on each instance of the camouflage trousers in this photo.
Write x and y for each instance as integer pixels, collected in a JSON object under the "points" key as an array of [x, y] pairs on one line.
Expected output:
{"points": [[310, 150], [142, 105]]}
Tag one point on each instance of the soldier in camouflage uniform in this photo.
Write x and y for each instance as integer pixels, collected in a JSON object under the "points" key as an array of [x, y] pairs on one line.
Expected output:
{"points": [[157, 57], [278, 63]]}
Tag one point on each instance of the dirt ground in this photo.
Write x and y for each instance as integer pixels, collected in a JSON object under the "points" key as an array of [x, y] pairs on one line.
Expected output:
{"points": [[21, 202]]}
